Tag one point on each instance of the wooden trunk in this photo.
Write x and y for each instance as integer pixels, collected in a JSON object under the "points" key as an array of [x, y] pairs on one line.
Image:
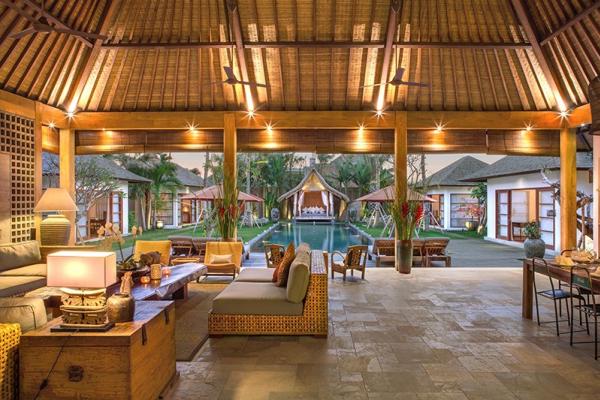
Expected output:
{"points": [[134, 360]]}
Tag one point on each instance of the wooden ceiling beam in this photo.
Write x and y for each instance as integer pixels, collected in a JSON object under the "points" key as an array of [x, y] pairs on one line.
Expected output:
{"points": [[321, 45], [325, 119], [81, 81], [571, 22], [392, 26], [236, 28], [34, 6], [563, 101]]}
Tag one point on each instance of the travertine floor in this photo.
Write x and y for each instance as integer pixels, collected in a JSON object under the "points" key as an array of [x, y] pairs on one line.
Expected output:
{"points": [[437, 334]]}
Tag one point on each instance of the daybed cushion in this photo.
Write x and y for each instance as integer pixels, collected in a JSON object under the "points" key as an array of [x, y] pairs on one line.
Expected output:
{"points": [[29, 312], [254, 298], [14, 285], [19, 254], [30, 270], [298, 278], [255, 275]]}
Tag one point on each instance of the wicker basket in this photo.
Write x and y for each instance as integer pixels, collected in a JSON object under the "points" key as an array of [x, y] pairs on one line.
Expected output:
{"points": [[10, 335]]}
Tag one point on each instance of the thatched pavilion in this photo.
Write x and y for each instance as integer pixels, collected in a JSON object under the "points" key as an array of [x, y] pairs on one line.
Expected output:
{"points": [[507, 77]]}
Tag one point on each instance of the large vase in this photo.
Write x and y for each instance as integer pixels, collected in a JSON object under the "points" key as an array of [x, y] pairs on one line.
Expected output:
{"points": [[534, 248], [404, 256]]}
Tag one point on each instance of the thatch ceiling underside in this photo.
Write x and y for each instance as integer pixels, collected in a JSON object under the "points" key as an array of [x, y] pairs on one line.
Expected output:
{"points": [[293, 53]]}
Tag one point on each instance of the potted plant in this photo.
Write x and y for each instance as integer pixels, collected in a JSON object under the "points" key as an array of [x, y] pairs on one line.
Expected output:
{"points": [[406, 215], [228, 209], [473, 211], [534, 245]]}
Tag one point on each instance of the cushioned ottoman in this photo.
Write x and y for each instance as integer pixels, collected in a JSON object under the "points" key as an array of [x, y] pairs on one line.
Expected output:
{"points": [[255, 275]]}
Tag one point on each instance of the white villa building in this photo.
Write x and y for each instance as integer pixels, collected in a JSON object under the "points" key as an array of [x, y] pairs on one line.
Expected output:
{"points": [[451, 194], [518, 193]]}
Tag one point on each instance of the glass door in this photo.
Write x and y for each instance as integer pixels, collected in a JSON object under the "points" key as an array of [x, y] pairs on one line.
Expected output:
{"points": [[503, 214]]}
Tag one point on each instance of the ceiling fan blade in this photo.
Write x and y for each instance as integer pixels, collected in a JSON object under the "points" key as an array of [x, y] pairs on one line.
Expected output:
{"points": [[213, 83], [252, 84], [229, 73], [398, 74], [376, 84], [415, 84], [21, 34]]}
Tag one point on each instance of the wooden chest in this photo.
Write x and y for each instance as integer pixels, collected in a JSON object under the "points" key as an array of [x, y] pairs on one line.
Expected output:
{"points": [[134, 360]]}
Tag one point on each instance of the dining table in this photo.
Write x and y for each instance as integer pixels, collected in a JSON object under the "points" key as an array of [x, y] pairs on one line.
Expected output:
{"points": [[559, 272]]}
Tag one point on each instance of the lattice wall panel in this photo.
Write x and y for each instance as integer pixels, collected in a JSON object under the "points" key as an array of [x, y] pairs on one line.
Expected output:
{"points": [[17, 138]]}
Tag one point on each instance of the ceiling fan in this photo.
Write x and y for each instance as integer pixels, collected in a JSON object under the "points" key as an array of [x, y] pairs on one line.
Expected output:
{"points": [[397, 81], [233, 80], [42, 25]]}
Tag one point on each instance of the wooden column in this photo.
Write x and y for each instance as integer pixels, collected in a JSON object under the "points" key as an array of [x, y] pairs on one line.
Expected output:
{"points": [[596, 193], [568, 189], [230, 149], [400, 159], [67, 171], [38, 167]]}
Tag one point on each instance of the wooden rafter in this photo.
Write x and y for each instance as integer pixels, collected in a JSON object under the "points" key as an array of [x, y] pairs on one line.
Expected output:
{"points": [[92, 56], [395, 7], [236, 27], [571, 22], [551, 77]]}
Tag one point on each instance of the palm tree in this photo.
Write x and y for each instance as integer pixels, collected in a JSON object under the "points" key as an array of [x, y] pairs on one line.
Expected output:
{"points": [[363, 175], [344, 174]]}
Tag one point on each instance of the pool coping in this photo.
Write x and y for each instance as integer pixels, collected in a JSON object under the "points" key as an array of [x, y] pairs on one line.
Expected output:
{"points": [[250, 243]]}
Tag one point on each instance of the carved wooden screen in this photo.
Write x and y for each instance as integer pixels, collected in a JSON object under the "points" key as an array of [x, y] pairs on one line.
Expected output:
{"points": [[17, 139]]}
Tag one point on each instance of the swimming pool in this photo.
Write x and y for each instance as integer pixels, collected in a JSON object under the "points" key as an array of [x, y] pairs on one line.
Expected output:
{"points": [[328, 237]]}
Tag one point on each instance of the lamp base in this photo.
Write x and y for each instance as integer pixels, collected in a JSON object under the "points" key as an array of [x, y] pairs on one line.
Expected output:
{"points": [[55, 230], [84, 310]]}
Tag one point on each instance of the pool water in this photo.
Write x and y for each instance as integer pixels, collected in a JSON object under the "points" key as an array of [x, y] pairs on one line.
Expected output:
{"points": [[328, 237]]}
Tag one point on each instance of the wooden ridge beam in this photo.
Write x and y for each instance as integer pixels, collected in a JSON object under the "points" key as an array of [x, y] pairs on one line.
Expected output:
{"points": [[562, 100], [33, 5], [571, 22], [392, 26], [320, 44], [81, 81], [236, 27]]}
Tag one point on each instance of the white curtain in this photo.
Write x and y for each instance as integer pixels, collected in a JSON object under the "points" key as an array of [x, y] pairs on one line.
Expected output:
{"points": [[300, 202], [331, 203], [295, 203], [325, 201]]}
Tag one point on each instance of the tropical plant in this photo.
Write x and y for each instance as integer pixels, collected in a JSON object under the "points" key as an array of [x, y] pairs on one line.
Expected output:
{"points": [[532, 230], [479, 192], [227, 208], [406, 215], [344, 174], [363, 175]]}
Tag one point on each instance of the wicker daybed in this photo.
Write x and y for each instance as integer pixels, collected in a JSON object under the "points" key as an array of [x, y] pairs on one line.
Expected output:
{"points": [[311, 314]]}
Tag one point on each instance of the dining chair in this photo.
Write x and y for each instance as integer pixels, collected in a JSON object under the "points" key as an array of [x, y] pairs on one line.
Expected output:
{"points": [[581, 279], [557, 295]]}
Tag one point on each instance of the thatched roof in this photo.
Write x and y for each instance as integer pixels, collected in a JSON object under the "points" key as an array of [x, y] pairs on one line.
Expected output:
{"points": [[453, 174], [50, 163], [314, 55], [517, 165], [188, 178], [313, 180]]}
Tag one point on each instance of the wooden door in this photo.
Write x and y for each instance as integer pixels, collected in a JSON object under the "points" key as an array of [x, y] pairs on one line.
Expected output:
{"points": [[5, 198]]}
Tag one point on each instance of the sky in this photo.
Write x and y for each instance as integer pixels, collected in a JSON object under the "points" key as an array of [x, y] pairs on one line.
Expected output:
{"points": [[434, 162]]}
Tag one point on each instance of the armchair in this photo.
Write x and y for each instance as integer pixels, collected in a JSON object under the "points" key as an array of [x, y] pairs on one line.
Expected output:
{"points": [[354, 259], [214, 267], [273, 254]]}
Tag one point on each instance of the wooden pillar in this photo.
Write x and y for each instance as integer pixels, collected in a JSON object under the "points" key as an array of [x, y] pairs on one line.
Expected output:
{"points": [[38, 167], [568, 189], [596, 193], [400, 160], [67, 171], [230, 150]]}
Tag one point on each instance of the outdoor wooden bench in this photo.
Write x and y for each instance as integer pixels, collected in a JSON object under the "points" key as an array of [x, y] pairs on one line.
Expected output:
{"points": [[424, 251]]}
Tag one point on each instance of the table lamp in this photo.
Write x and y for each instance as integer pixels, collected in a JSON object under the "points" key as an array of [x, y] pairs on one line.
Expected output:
{"points": [[83, 277], [55, 229]]}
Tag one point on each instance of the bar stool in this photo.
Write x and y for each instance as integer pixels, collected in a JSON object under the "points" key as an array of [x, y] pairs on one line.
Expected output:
{"points": [[557, 295]]}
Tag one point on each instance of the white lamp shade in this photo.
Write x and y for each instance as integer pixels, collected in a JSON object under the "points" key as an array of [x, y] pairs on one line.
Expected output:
{"points": [[55, 199], [82, 269]]}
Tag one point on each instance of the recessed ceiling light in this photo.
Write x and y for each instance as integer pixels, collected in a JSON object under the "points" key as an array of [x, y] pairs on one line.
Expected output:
{"points": [[51, 125]]}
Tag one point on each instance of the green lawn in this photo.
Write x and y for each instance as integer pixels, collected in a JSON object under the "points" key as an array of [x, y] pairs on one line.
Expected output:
{"points": [[246, 233], [376, 232]]}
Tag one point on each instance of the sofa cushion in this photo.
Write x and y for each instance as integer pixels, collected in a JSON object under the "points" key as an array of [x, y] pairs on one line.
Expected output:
{"points": [[298, 278], [254, 298], [255, 275], [14, 285], [29, 270], [283, 269], [29, 312], [19, 254]]}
